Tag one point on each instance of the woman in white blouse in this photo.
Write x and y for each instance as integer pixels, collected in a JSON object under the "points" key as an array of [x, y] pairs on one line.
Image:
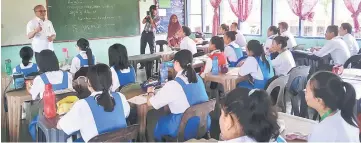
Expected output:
{"points": [[334, 100], [284, 62]]}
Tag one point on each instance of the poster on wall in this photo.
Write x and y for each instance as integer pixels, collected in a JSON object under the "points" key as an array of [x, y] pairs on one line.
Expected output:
{"points": [[177, 8], [164, 3]]}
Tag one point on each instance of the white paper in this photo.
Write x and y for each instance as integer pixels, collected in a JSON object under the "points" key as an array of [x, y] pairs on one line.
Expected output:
{"points": [[233, 71], [162, 12], [138, 100]]}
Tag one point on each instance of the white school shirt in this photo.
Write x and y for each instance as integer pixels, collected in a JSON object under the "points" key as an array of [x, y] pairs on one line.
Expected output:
{"points": [[283, 63], [115, 79], [334, 129], [172, 94], [75, 63], [188, 44], [338, 50], [54, 77], [240, 39], [250, 66], [40, 40], [80, 117], [291, 39], [268, 44], [351, 43], [30, 65], [230, 53], [243, 139]]}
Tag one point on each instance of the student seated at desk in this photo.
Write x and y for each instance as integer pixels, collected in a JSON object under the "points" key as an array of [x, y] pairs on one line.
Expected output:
{"points": [[256, 70], [346, 32], [222, 30], [232, 50], [284, 31], [122, 72], [85, 58], [51, 74], [240, 39], [334, 100], [103, 111], [248, 116], [272, 32], [186, 90], [186, 43], [216, 46], [284, 62], [26, 67], [335, 46]]}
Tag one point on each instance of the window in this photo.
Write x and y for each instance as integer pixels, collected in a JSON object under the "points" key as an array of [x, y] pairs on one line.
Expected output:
{"points": [[322, 18], [200, 16]]}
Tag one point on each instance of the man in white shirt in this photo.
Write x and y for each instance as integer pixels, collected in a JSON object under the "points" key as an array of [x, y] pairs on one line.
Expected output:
{"points": [[272, 32], [240, 39], [335, 46], [345, 31], [41, 31], [283, 27], [187, 43]]}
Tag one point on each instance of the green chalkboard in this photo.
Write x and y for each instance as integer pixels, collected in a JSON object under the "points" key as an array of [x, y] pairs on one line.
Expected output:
{"points": [[74, 19]]}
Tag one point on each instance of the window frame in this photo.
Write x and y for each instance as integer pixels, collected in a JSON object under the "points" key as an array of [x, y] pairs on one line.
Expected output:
{"points": [[300, 22], [187, 15]]}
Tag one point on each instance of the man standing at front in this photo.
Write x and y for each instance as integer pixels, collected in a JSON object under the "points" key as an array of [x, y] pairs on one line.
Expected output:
{"points": [[41, 31]]}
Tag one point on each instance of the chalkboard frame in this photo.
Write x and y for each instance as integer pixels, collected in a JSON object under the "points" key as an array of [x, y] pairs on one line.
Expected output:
{"points": [[98, 38]]}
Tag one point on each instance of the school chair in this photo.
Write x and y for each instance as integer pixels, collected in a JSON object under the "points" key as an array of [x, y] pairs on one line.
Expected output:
{"points": [[296, 83], [353, 62], [161, 43], [280, 102], [201, 110], [122, 135]]}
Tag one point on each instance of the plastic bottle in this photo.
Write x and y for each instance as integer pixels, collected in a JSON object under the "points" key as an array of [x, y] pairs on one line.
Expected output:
{"points": [[49, 102], [163, 73], [215, 68], [8, 67]]}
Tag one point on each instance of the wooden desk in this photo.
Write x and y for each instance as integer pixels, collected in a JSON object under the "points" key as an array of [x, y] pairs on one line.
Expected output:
{"points": [[142, 111], [15, 100], [228, 81], [5, 81]]}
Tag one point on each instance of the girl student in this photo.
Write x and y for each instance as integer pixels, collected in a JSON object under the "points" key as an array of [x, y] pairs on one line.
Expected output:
{"points": [[223, 29], [248, 116], [186, 90], [272, 32], [256, 70], [232, 51], [26, 67], [122, 72], [101, 112], [85, 58], [284, 62], [334, 100], [216, 46]]}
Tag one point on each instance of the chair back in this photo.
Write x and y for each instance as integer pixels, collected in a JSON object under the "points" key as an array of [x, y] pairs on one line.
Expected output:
{"points": [[300, 71], [161, 43], [201, 110], [281, 83], [355, 62], [122, 135], [131, 90]]}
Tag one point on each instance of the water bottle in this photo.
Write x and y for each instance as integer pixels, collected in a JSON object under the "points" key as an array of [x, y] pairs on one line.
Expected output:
{"points": [[163, 73], [215, 68], [8, 67], [49, 102]]}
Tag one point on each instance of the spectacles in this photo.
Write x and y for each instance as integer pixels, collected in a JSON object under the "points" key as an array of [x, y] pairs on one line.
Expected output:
{"points": [[41, 11]]}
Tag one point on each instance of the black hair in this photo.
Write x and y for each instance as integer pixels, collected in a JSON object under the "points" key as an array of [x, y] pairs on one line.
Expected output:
{"points": [[100, 79], [335, 93], [231, 35], [83, 44], [274, 30], [26, 54], [187, 31], [254, 111], [225, 27], [235, 24], [281, 40], [284, 25], [347, 26], [333, 29], [258, 51], [185, 59], [47, 61], [118, 57], [151, 8], [218, 42]]}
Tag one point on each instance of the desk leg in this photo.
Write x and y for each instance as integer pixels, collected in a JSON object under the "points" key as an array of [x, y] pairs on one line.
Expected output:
{"points": [[14, 118], [134, 64], [142, 121]]}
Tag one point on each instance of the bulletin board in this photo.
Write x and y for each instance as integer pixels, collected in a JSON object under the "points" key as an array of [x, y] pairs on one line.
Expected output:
{"points": [[176, 7]]}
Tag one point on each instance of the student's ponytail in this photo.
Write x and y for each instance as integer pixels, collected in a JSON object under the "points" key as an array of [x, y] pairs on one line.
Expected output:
{"points": [[191, 73], [89, 54], [26, 53], [347, 103], [104, 99], [84, 45], [258, 51], [185, 60]]}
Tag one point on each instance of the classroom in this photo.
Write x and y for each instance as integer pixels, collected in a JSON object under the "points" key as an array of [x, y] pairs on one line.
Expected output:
{"points": [[180, 71]]}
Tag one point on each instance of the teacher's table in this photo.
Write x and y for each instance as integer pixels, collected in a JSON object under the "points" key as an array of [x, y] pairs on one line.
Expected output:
{"points": [[145, 58], [204, 48], [228, 80]]}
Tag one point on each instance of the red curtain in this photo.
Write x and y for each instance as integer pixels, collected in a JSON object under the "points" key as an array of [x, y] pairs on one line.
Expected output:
{"points": [[303, 8], [241, 9], [215, 4], [354, 6]]}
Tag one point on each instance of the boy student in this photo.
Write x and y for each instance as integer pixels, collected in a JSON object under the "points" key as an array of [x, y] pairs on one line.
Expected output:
{"points": [[186, 43], [283, 27], [345, 31], [240, 39]]}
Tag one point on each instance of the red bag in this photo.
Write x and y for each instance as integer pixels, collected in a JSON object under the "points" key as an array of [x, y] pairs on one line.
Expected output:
{"points": [[49, 102]]}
